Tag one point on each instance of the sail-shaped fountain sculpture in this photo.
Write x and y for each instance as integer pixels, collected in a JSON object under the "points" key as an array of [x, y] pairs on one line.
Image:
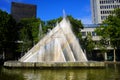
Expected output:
{"points": [[59, 45]]}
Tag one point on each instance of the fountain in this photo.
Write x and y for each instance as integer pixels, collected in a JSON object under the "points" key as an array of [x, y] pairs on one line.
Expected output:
{"points": [[59, 45], [59, 48]]}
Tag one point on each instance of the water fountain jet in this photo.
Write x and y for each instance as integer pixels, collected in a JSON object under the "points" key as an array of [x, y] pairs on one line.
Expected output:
{"points": [[59, 45], [59, 48]]}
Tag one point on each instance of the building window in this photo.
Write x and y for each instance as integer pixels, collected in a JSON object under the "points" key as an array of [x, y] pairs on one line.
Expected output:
{"points": [[100, 2], [101, 12], [93, 34], [103, 17], [83, 33]]}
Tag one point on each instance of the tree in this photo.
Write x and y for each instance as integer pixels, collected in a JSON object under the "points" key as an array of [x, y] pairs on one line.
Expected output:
{"points": [[110, 30], [8, 33], [29, 33], [89, 45], [102, 31], [76, 24]]}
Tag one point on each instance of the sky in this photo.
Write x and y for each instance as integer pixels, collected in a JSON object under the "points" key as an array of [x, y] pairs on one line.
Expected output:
{"points": [[52, 9]]}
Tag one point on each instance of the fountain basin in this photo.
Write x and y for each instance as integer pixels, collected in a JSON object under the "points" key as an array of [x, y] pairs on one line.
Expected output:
{"points": [[89, 64]]}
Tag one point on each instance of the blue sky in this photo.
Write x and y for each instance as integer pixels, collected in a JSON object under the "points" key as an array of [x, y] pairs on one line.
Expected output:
{"points": [[51, 9]]}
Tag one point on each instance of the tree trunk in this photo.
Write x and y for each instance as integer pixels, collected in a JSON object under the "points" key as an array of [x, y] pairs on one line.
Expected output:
{"points": [[105, 56], [114, 56]]}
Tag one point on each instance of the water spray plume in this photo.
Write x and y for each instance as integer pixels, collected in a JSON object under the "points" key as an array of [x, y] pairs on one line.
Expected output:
{"points": [[59, 45], [64, 14]]}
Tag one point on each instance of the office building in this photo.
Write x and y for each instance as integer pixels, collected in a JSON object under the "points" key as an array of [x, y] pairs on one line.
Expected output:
{"points": [[90, 28], [21, 10], [102, 8]]}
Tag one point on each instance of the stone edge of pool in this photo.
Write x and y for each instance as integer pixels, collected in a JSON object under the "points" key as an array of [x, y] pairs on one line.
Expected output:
{"points": [[17, 64]]}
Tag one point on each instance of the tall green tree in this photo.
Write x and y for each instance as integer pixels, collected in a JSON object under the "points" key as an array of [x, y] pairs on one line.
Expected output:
{"points": [[8, 33], [89, 45], [104, 39], [110, 30], [29, 33]]}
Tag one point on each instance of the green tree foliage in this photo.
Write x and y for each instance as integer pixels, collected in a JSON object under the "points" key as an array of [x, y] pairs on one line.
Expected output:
{"points": [[110, 30], [8, 32], [88, 45], [29, 32], [104, 41], [50, 24], [76, 24]]}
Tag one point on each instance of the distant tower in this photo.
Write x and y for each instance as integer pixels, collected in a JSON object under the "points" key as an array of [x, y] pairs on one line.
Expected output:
{"points": [[21, 10], [102, 8]]}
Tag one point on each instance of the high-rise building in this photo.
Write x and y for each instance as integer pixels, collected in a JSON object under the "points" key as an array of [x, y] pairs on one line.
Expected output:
{"points": [[21, 10], [102, 8]]}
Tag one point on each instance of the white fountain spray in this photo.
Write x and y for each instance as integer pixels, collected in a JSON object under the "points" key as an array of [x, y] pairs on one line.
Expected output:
{"points": [[40, 32], [64, 14], [59, 45]]}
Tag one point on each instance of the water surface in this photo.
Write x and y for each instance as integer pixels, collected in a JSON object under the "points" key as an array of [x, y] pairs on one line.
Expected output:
{"points": [[111, 72]]}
